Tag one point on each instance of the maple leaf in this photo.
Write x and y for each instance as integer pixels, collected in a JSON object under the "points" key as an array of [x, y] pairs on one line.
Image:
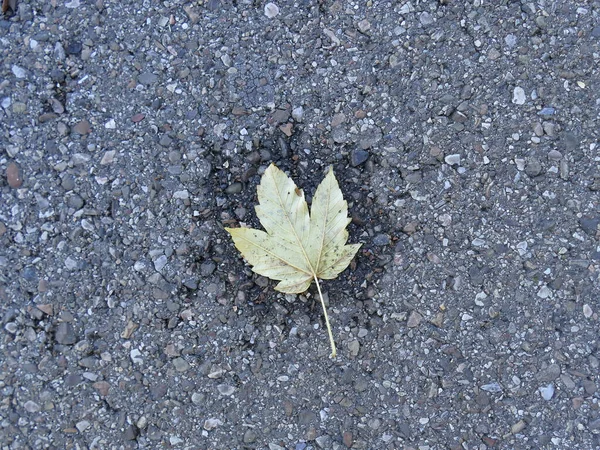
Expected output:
{"points": [[298, 248]]}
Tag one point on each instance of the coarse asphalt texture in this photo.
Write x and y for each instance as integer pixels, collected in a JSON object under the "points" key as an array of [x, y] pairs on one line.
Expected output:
{"points": [[465, 136]]}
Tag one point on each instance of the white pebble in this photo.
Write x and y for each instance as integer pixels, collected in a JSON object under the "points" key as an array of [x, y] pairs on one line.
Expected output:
{"points": [[547, 392], [210, 424], [182, 195], [271, 10], [544, 292], [452, 160], [518, 96], [110, 125], [136, 356], [160, 263], [587, 311], [19, 72]]}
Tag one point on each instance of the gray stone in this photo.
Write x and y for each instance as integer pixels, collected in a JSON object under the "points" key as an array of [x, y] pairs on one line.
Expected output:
{"points": [[250, 436], [381, 240], [306, 417], [533, 167], [65, 334], [550, 373], [590, 225], [32, 407], [358, 157], [207, 268], [234, 188], [147, 78], [181, 365]]}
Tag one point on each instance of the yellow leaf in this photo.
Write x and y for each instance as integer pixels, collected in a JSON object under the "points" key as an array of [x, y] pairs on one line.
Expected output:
{"points": [[297, 247]]}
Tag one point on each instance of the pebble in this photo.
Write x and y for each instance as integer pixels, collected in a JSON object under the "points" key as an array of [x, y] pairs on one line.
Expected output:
{"points": [[83, 127], [453, 160], [425, 18], [547, 392], [234, 188], [554, 155], [347, 438], [358, 157], [56, 106], [510, 40], [197, 398], [65, 334], [70, 263], [492, 387], [59, 51], [102, 387], [547, 112], [533, 167], [14, 176], [211, 424], [136, 356], [32, 407], [589, 387], [181, 365], [19, 72], [249, 436], [364, 26], [518, 96], [550, 373], [587, 311], [381, 240], [354, 347], [74, 48], [271, 10], [181, 195], [131, 433], [82, 425], [298, 113], [225, 389], [147, 78], [108, 158], [590, 225], [11, 327], [160, 263], [414, 320], [323, 441], [549, 128], [544, 292], [175, 440]]}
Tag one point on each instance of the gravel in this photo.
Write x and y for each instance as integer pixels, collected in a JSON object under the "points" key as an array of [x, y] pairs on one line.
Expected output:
{"points": [[464, 137]]}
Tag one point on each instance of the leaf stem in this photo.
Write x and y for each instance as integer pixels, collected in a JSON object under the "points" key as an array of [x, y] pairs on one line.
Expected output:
{"points": [[331, 341]]}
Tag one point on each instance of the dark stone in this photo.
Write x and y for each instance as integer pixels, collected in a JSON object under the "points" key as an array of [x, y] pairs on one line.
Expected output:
{"points": [[131, 433], [590, 225], [358, 157], [207, 268], [74, 48], [147, 78], [533, 168], [381, 239], [29, 274], [65, 334], [306, 417], [596, 32], [234, 188]]}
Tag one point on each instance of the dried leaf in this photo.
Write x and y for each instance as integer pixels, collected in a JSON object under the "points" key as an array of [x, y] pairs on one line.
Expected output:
{"points": [[297, 248]]}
